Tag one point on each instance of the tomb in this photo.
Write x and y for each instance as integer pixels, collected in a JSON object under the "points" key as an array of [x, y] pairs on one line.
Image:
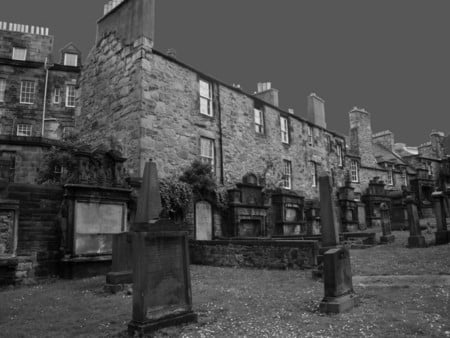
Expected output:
{"points": [[348, 208], [247, 212], [288, 213], [160, 264], [312, 217], [415, 240], [375, 195], [399, 214], [387, 236], [439, 203], [422, 186]]}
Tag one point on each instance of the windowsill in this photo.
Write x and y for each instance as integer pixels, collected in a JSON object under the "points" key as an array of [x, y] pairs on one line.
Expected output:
{"points": [[69, 106], [27, 103], [208, 116]]}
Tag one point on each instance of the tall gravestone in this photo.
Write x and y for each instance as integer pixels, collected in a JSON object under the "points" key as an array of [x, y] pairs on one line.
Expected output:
{"points": [[337, 275], [387, 236], [442, 233], [161, 280], [415, 239]]}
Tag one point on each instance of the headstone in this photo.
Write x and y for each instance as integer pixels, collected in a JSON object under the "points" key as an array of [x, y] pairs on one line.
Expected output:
{"points": [[387, 236], [415, 239], [339, 295], [442, 234], [161, 281], [337, 274], [330, 225]]}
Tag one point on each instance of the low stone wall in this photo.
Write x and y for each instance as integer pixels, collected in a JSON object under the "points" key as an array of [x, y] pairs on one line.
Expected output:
{"points": [[270, 254], [16, 270]]}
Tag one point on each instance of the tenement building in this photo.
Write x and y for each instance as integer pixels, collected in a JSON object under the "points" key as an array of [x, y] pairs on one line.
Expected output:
{"points": [[38, 97]]}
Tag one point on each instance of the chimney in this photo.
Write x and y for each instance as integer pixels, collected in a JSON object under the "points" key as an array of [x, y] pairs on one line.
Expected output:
{"points": [[172, 53], [385, 138], [130, 20], [291, 111], [437, 139], [267, 93], [316, 110], [361, 136]]}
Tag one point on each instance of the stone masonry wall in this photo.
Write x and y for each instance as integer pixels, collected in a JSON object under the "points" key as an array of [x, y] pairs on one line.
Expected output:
{"points": [[111, 97], [361, 137], [38, 46]]}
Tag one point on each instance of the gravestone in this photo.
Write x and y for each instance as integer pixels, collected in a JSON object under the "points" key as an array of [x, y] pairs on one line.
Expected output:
{"points": [[415, 239], [161, 280], [442, 233], [387, 236], [337, 276]]}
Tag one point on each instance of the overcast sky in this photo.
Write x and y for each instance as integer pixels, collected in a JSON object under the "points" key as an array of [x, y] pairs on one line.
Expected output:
{"points": [[390, 57]]}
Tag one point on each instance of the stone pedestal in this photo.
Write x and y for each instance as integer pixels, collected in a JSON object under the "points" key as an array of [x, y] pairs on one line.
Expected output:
{"points": [[415, 240], [339, 296]]}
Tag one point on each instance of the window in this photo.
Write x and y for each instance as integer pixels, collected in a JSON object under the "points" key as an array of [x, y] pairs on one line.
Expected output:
{"points": [[24, 130], [19, 54], [259, 121], [27, 91], [404, 177], [328, 142], [70, 96], [390, 174], [284, 130], [57, 95], [205, 98], [314, 174], [207, 151], [70, 59], [287, 174], [339, 154], [430, 169], [2, 89], [354, 171], [310, 135]]}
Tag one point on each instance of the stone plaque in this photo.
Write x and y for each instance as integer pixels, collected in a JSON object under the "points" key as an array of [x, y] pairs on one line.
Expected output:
{"points": [[203, 221], [95, 223]]}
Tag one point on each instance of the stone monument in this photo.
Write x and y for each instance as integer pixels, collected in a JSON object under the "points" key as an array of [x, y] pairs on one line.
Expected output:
{"points": [[415, 239], [442, 233], [337, 275], [161, 280], [387, 236]]}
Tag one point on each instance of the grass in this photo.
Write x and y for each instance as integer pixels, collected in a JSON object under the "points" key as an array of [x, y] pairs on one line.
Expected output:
{"points": [[257, 303]]}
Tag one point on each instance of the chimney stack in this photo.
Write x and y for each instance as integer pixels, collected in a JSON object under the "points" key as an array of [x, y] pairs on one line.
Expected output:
{"points": [[130, 20], [385, 138], [267, 93], [316, 110]]}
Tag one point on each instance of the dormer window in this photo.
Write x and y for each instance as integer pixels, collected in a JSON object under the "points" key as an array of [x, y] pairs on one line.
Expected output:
{"points": [[70, 59], [19, 54]]}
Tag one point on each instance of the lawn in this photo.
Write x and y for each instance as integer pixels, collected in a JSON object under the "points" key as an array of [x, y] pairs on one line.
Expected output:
{"points": [[401, 293]]}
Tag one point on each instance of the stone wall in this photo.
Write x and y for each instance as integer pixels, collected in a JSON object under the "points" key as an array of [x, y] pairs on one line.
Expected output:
{"points": [[38, 46], [361, 137], [255, 254]]}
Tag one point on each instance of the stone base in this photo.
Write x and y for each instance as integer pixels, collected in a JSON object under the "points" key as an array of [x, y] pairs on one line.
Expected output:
{"points": [[170, 320], [442, 237], [119, 277], [387, 239], [337, 304], [416, 242], [84, 267]]}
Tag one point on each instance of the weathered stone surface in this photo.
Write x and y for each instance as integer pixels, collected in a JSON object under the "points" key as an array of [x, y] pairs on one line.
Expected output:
{"points": [[415, 240], [330, 225]]}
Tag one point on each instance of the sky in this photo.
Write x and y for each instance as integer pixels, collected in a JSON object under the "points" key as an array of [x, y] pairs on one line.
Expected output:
{"points": [[389, 57]]}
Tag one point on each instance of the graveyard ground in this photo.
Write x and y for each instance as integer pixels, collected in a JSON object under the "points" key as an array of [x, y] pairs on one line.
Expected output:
{"points": [[401, 293]]}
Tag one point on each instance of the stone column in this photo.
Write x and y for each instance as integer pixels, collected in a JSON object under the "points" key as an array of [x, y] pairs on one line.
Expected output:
{"points": [[330, 225], [415, 239], [442, 234], [387, 236]]}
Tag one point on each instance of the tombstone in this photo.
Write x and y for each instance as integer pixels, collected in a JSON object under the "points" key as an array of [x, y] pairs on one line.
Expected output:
{"points": [[337, 276], [161, 281], [349, 208], [203, 221], [442, 233], [387, 236], [415, 239]]}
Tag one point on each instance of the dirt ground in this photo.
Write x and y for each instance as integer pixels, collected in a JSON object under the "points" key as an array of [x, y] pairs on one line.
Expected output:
{"points": [[401, 293]]}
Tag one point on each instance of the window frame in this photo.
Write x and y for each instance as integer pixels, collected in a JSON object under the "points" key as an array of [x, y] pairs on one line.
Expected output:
{"points": [[208, 158], [284, 127], [66, 63], [339, 154], [15, 51], [259, 127], [68, 86], [310, 135], [354, 171], [314, 177], [55, 90], [287, 174], [2, 89], [207, 98], [24, 94], [25, 130]]}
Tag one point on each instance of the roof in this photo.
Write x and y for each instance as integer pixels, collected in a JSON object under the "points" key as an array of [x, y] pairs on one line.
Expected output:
{"points": [[382, 154]]}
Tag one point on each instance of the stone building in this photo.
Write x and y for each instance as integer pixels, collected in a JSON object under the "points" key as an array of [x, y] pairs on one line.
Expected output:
{"points": [[38, 97], [161, 108]]}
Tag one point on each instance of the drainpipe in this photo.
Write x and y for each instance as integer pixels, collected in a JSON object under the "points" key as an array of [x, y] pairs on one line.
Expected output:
{"points": [[219, 109], [46, 67]]}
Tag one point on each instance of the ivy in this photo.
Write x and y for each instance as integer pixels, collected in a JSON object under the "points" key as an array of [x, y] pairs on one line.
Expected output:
{"points": [[176, 196]]}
